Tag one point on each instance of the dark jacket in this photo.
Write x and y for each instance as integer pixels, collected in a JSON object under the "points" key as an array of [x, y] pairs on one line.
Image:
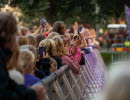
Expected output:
{"points": [[58, 60], [44, 65], [9, 90], [39, 73]]}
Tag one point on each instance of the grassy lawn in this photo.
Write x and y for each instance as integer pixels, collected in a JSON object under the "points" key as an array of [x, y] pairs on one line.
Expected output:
{"points": [[117, 56], [107, 58]]}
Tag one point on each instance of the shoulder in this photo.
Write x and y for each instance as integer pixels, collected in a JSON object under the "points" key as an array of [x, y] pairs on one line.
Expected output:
{"points": [[15, 73], [30, 77], [16, 76]]}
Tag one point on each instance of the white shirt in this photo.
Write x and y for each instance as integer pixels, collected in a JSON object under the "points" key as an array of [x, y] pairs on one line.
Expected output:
{"points": [[16, 76]]}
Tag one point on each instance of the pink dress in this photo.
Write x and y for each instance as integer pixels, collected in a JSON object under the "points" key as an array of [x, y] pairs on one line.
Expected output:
{"points": [[73, 65]]}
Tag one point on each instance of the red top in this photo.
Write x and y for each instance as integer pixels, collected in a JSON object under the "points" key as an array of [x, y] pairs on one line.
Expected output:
{"points": [[46, 34]]}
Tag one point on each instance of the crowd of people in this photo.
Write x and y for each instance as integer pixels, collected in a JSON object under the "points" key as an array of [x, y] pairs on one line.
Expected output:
{"points": [[118, 35], [27, 56], [52, 47]]}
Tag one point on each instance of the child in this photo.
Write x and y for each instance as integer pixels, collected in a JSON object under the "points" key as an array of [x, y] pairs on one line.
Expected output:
{"points": [[27, 60]]}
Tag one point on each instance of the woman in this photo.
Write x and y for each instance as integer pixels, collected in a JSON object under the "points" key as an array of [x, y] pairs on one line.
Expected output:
{"points": [[59, 27], [50, 52], [74, 65], [15, 70], [38, 72], [9, 90], [95, 43], [75, 51]]}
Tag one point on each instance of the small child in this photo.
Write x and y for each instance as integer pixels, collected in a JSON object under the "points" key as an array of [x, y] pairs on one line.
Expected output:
{"points": [[53, 65], [47, 65], [27, 60]]}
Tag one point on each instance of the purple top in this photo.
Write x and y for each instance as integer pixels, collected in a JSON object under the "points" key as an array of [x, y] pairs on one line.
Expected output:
{"points": [[30, 80]]}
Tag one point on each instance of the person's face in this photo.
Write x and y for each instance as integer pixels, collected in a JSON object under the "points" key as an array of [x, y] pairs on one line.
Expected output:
{"points": [[53, 67], [67, 38]]}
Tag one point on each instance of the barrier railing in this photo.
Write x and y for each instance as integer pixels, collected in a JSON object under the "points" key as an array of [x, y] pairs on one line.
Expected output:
{"points": [[64, 85], [120, 52]]}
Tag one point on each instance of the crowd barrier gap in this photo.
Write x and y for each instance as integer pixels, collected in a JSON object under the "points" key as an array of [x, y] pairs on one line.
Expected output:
{"points": [[64, 85]]}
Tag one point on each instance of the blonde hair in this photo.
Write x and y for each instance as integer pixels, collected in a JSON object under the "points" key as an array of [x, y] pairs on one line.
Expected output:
{"points": [[19, 33], [66, 39], [26, 57], [31, 40], [50, 46], [52, 34], [30, 48], [60, 46], [24, 30], [22, 40]]}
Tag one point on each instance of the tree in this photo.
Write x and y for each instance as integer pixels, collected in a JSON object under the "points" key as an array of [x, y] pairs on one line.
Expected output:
{"points": [[53, 10], [113, 8]]}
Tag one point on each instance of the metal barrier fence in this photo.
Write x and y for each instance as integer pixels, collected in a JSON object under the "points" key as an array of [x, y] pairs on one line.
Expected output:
{"points": [[64, 85], [120, 52]]}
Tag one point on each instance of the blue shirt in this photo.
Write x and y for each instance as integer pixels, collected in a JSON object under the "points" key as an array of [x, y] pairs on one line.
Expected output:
{"points": [[30, 80]]}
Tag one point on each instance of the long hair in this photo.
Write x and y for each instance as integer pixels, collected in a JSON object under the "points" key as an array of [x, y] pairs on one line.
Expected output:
{"points": [[52, 34], [8, 27], [30, 48], [59, 27], [50, 46], [60, 46]]}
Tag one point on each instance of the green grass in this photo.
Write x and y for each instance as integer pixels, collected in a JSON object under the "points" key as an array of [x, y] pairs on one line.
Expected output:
{"points": [[107, 58]]}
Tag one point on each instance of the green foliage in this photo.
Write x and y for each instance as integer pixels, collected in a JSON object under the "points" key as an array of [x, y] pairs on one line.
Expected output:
{"points": [[107, 58], [53, 10], [68, 10], [113, 8]]}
